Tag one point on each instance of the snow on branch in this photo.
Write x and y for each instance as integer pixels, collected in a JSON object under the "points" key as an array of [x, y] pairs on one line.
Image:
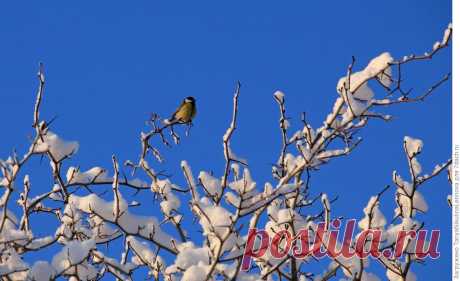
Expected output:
{"points": [[92, 210]]}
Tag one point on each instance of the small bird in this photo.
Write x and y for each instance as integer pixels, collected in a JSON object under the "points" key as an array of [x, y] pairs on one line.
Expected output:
{"points": [[185, 112]]}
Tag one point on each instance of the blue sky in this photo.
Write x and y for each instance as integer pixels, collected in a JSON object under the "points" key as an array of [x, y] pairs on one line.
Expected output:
{"points": [[109, 64]]}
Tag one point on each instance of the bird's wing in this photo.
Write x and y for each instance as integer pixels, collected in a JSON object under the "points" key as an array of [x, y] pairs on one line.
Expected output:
{"points": [[174, 115]]}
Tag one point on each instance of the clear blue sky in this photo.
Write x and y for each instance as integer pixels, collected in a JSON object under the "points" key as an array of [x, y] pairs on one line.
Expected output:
{"points": [[109, 64]]}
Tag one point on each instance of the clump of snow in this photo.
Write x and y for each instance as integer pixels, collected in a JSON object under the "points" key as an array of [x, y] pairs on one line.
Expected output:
{"points": [[3, 181], [42, 271], [236, 169], [196, 272], [40, 242], [10, 231], [279, 96], [291, 162], [355, 91], [245, 184], [71, 254], [143, 253], [416, 167], [102, 231], [11, 262], [377, 67], [393, 276], [325, 201], [352, 264], [379, 64], [95, 174], [147, 227], [364, 93], [447, 34], [285, 215], [101, 257], [331, 153], [391, 233], [436, 169], [59, 148], [210, 183], [189, 175], [170, 203], [436, 45], [189, 256], [417, 203], [215, 222], [373, 217], [413, 146], [138, 183]]}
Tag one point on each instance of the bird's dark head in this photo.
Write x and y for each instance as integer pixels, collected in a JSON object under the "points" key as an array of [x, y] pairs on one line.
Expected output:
{"points": [[189, 99]]}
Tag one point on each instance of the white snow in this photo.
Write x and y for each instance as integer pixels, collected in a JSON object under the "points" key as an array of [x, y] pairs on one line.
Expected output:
{"points": [[291, 162], [325, 201], [364, 93], [71, 254], [143, 252], [42, 271], [447, 34], [195, 272], [147, 227], [245, 184], [102, 231], [169, 204], [189, 256], [279, 96], [375, 67], [417, 168], [372, 211], [285, 124], [170, 201], [95, 174], [413, 146], [11, 262], [58, 147], [436, 45], [392, 276], [40, 242], [392, 231], [210, 183], [188, 171]]}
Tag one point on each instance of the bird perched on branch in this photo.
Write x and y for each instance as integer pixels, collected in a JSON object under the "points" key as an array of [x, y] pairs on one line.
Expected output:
{"points": [[184, 113]]}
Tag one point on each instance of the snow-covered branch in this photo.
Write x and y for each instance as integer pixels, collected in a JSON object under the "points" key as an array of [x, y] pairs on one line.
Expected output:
{"points": [[91, 209]]}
